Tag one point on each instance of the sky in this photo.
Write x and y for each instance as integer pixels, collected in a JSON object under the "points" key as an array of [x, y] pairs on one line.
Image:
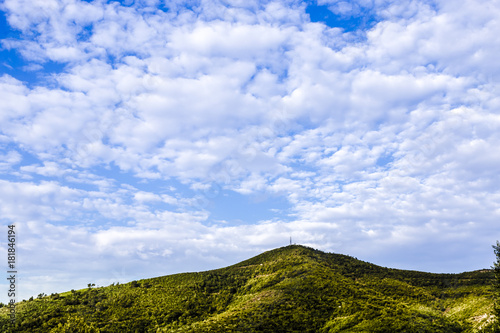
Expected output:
{"points": [[151, 137]]}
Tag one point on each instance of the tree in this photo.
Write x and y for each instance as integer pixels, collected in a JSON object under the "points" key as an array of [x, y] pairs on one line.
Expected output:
{"points": [[496, 270], [75, 324]]}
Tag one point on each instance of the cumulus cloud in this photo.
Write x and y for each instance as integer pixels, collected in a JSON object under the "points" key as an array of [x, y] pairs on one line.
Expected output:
{"points": [[381, 141]]}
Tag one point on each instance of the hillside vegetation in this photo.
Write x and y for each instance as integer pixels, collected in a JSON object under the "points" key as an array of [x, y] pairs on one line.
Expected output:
{"points": [[289, 289]]}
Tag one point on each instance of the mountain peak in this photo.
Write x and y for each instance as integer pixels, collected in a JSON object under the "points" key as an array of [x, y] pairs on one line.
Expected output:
{"points": [[289, 289]]}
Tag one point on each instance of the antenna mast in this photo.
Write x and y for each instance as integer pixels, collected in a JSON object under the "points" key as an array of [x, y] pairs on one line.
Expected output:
{"points": [[290, 240]]}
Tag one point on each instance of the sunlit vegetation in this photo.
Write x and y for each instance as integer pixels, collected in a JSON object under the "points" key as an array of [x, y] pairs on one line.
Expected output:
{"points": [[290, 289]]}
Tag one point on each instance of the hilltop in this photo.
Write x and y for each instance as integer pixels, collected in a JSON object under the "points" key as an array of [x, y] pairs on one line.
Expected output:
{"points": [[289, 289]]}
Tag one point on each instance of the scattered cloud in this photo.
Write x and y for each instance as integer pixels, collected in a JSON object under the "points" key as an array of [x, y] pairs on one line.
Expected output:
{"points": [[380, 140]]}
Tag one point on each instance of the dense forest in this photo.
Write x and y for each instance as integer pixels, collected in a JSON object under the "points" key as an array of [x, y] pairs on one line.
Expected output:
{"points": [[289, 289]]}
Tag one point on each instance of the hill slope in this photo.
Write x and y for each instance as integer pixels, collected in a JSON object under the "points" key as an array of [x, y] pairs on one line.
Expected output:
{"points": [[289, 289]]}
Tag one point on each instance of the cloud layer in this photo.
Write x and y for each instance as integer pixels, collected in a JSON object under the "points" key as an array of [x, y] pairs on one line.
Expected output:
{"points": [[141, 117]]}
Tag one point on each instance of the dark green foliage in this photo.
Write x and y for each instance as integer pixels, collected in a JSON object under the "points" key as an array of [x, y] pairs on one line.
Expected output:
{"points": [[496, 270], [290, 289]]}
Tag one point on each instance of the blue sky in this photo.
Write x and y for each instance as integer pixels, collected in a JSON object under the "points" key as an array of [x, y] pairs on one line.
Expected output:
{"points": [[145, 138]]}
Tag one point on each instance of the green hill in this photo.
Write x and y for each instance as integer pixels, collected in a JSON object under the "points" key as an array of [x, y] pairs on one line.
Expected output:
{"points": [[289, 289]]}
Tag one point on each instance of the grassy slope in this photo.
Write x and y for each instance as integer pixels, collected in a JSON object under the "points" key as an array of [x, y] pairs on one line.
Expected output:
{"points": [[290, 289]]}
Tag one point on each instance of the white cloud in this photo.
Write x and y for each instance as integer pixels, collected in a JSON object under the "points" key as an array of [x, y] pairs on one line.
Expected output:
{"points": [[456, 41], [22, 201], [9, 159], [383, 143]]}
